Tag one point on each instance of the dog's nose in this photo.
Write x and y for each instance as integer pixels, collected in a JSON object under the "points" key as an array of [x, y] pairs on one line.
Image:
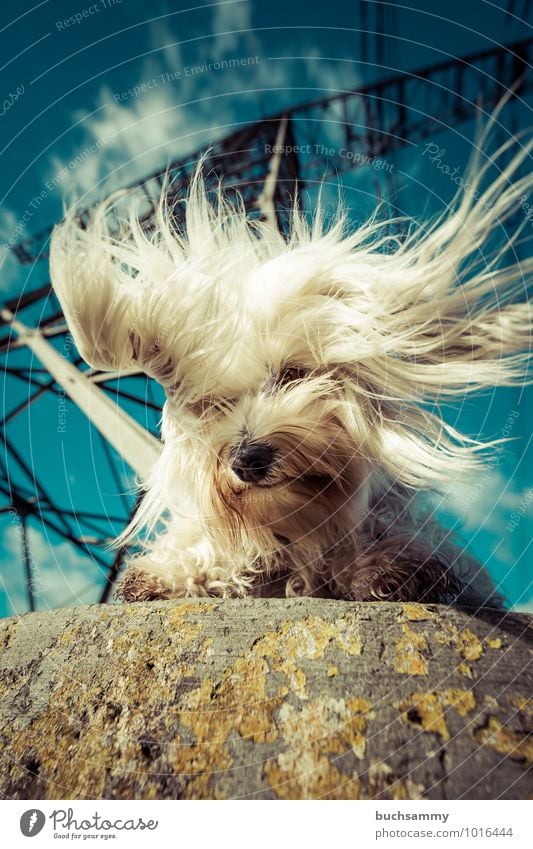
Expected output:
{"points": [[252, 462]]}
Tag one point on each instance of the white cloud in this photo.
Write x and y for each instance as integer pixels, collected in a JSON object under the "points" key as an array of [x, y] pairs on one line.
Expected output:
{"points": [[168, 50], [8, 223], [491, 503], [230, 22], [133, 139], [481, 499], [139, 134], [62, 575], [526, 607]]}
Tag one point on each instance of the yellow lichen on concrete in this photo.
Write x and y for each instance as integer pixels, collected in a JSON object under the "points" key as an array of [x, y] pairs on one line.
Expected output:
{"points": [[468, 645], [207, 648], [505, 741], [462, 701], [360, 710], [74, 755], [427, 710], [296, 678], [237, 703], [306, 639], [414, 612], [68, 637], [319, 729], [404, 789], [523, 704], [348, 636], [309, 638], [424, 710], [181, 701], [74, 761], [182, 628], [383, 784], [408, 658], [296, 639], [7, 632], [183, 610], [465, 670], [466, 642]]}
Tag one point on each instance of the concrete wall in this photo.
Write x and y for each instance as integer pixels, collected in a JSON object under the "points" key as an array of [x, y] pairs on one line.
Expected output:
{"points": [[298, 698]]}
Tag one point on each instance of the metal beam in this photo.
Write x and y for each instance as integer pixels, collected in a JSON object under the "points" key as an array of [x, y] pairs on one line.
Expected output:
{"points": [[266, 200], [135, 444], [26, 553]]}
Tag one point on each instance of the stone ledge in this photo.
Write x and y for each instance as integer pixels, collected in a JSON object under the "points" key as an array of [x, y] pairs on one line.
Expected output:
{"points": [[271, 698]]}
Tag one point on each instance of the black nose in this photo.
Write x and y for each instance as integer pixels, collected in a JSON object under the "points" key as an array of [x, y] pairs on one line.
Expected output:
{"points": [[252, 462]]}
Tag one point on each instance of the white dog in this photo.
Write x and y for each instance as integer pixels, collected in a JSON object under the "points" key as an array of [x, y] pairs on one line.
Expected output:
{"points": [[302, 378]]}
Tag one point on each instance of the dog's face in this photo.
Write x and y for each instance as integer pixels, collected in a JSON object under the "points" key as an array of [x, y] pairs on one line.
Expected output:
{"points": [[268, 422]]}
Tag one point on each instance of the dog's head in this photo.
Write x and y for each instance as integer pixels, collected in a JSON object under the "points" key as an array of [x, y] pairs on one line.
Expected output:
{"points": [[272, 429], [302, 373]]}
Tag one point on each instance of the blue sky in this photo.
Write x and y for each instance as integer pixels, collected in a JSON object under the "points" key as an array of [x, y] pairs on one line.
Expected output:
{"points": [[70, 87]]}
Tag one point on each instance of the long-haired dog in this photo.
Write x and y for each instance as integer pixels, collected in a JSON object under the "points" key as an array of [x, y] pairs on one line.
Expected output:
{"points": [[303, 376]]}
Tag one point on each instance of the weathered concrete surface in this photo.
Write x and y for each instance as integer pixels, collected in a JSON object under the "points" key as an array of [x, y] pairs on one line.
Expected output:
{"points": [[265, 698]]}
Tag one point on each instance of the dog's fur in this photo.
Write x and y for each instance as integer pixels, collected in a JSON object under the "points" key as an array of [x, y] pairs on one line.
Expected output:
{"points": [[333, 350]]}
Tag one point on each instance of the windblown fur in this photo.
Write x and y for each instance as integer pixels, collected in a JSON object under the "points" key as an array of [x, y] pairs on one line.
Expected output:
{"points": [[324, 356]]}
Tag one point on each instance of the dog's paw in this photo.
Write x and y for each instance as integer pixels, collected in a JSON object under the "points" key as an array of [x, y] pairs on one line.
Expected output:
{"points": [[138, 585]]}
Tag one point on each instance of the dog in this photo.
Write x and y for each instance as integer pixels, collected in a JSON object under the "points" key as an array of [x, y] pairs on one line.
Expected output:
{"points": [[303, 375]]}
